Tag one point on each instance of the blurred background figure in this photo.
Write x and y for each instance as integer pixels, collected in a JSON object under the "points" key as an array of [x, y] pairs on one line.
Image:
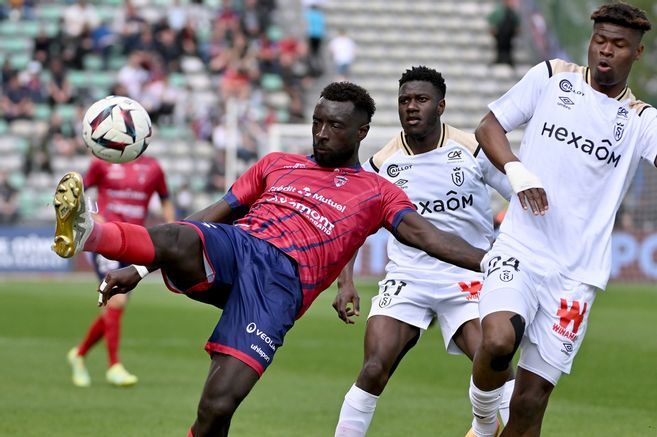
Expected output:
{"points": [[343, 50], [8, 200], [504, 24], [124, 192], [315, 21]]}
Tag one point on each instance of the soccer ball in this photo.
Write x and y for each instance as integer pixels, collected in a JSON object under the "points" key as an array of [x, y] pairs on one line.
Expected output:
{"points": [[116, 129]]}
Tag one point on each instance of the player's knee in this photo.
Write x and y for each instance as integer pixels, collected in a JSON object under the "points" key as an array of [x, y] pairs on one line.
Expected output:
{"points": [[374, 375], [216, 410], [500, 340], [528, 406], [174, 241]]}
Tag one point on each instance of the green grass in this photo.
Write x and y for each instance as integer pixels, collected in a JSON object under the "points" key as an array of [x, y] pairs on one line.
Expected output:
{"points": [[612, 391]]}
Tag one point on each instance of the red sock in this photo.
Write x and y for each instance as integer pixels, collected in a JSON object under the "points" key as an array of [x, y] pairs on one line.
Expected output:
{"points": [[130, 244], [190, 433], [95, 333], [112, 318]]}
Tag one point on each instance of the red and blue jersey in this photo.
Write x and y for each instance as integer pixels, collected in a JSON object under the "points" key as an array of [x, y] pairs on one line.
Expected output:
{"points": [[318, 216], [124, 190]]}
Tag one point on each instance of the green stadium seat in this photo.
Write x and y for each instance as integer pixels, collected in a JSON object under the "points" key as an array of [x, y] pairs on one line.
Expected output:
{"points": [[51, 12], [102, 80], [177, 80], [271, 82], [15, 43], [93, 62], [67, 112], [42, 111], [17, 180], [116, 62], [77, 78]]}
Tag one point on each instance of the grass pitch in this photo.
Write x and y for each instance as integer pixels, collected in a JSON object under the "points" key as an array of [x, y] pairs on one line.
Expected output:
{"points": [[612, 391]]}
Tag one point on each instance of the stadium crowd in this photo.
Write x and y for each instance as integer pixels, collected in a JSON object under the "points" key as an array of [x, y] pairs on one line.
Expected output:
{"points": [[183, 63]]}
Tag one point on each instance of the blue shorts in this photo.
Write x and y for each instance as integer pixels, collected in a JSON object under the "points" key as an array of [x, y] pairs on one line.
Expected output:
{"points": [[258, 288], [103, 266]]}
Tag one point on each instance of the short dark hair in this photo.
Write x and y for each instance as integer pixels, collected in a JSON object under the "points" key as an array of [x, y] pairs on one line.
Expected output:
{"points": [[623, 15], [425, 74], [350, 92]]}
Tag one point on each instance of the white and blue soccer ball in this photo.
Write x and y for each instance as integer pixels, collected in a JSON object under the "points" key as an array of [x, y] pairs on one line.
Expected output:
{"points": [[116, 129]]}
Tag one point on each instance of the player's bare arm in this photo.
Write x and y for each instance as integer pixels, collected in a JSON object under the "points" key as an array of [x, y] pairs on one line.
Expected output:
{"points": [[347, 301], [218, 212], [491, 136], [118, 281], [415, 231]]}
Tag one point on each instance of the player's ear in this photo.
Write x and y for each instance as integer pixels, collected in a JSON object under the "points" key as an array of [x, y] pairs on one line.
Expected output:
{"points": [[441, 107], [362, 131]]}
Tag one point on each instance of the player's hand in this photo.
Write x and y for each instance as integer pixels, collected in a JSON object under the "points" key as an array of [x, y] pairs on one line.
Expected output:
{"points": [[534, 199], [528, 187], [118, 281], [347, 303]]}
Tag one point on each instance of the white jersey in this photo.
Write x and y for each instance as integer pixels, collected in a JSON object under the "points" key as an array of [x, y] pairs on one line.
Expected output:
{"points": [[447, 185], [585, 147]]}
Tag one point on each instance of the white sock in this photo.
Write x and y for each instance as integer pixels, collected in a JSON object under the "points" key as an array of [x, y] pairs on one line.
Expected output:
{"points": [[506, 401], [356, 413], [484, 409]]}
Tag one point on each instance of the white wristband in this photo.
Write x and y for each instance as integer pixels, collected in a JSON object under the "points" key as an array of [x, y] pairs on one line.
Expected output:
{"points": [[520, 178], [143, 271]]}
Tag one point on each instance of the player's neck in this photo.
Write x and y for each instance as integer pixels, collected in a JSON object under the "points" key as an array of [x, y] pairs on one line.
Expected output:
{"points": [[422, 144], [612, 91]]}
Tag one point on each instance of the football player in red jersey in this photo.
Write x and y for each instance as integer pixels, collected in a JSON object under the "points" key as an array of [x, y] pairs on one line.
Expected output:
{"points": [[124, 192]]}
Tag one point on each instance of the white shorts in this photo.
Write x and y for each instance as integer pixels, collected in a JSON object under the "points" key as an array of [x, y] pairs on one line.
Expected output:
{"points": [[555, 308], [417, 302]]}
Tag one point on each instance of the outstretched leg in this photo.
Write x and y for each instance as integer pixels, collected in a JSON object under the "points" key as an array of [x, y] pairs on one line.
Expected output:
{"points": [[528, 404], [501, 335], [386, 342], [468, 339], [228, 383], [174, 247]]}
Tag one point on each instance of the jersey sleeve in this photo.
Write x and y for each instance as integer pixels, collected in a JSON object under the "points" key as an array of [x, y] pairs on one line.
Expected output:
{"points": [[649, 149], [92, 177], [493, 177], [248, 187], [161, 183], [367, 166], [516, 107], [396, 205]]}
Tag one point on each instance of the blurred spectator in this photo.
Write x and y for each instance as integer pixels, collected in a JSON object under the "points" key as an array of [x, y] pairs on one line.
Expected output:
{"points": [[169, 49], [128, 24], [316, 32], [31, 79], [60, 137], [184, 201], [103, 39], [176, 16], [59, 89], [15, 104], [8, 200], [253, 19], [216, 178], [159, 97], [504, 23], [42, 46], [343, 50], [78, 17], [7, 71], [133, 75]]}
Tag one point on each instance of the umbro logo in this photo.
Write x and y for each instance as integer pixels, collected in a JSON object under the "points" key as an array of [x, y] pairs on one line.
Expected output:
{"points": [[401, 183], [566, 101]]}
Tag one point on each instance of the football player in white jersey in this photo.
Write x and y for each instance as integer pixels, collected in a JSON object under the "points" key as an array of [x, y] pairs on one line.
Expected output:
{"points": [[446, 176], [585, 136]]}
